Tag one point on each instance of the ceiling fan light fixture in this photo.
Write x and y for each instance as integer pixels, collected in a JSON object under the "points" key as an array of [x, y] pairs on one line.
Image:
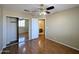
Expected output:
{"points": [[42, 13]]}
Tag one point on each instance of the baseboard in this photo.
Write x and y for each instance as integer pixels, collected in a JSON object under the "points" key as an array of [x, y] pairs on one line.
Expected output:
{"points": [[12, 42], [0, 51], [63, 44], [9, 45]]}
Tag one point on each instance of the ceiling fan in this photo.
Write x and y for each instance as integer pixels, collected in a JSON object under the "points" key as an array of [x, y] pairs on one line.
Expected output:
{"points": [[42, 9]]}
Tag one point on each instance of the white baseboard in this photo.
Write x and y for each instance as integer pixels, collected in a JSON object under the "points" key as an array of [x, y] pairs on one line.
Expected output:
{"points": [[0, 51], [63, 44], [4, 47]]}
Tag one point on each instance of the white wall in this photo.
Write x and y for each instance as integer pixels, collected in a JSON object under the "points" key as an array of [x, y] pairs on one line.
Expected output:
{"points": [[1, 30], [64, 27], [12, 14], [27, 25], [22, 30]]}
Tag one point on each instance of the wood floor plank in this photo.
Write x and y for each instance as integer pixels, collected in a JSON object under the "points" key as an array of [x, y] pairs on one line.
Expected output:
{"points": [[40, 46]]}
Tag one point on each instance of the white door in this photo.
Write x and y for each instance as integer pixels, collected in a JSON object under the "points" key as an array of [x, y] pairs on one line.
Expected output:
{"points": [[11, 28], [35, 28]]}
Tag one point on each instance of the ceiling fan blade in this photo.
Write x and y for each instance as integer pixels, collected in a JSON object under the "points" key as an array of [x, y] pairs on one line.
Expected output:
{"points": [[47, 12], [26, 10], [49, 8]]}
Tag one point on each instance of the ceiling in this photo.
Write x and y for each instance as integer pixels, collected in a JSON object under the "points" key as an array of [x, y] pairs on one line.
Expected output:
{"points": [[35, 7]]}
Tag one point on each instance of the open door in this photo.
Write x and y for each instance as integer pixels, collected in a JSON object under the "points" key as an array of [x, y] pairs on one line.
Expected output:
{"points": [[35, 28], [38, 28], [11, 30]]}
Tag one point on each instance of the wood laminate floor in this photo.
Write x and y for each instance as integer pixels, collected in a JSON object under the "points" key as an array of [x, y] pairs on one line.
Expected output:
{"points": [[39, 46]]}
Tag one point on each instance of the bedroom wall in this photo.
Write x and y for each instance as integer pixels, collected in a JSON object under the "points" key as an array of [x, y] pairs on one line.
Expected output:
{"points": [[1, 30], [63, 27]]}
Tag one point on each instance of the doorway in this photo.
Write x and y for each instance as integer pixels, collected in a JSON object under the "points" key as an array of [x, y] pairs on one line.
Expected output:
{"points": [[23, 25], [11, 30], [38, 28], [41, 27]]}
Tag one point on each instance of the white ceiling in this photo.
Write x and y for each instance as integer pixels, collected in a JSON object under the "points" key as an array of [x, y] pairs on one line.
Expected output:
{"points": [[35, 7]]}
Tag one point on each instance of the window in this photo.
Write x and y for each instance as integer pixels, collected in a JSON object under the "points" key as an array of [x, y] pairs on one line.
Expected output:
{"points": [[21, 23]]}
